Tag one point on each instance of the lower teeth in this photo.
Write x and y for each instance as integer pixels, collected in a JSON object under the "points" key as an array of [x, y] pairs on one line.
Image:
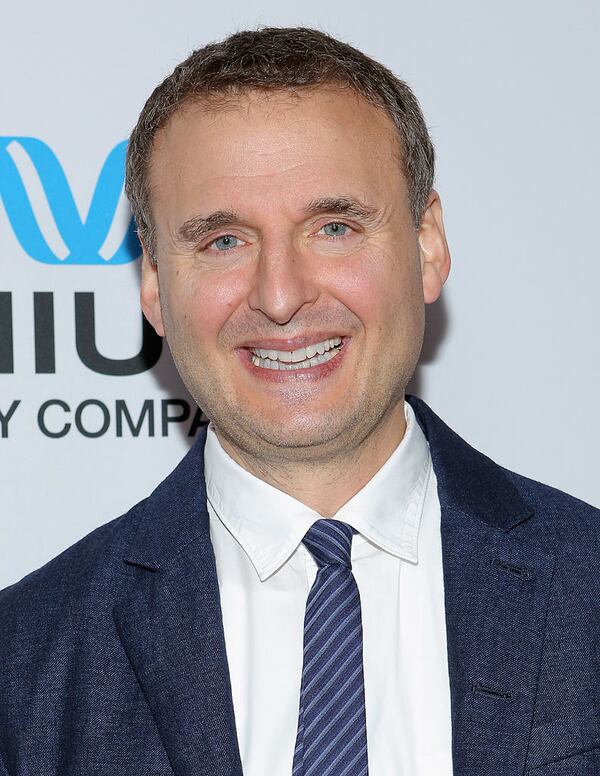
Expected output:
{"points": [[267, 363]]}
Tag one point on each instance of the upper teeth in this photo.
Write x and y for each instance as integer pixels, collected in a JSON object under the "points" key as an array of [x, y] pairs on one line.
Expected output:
{"points": [[291, 357]]}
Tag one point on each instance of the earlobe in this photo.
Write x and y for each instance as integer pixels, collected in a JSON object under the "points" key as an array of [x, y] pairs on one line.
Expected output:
{"points": [[149, 294], [433, 249]]}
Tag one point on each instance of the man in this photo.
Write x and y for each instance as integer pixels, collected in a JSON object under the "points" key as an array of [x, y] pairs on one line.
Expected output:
{"points": [[332, 582]]}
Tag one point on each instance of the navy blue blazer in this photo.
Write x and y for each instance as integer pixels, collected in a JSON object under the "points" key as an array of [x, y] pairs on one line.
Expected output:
{"points": [[113, 662]]}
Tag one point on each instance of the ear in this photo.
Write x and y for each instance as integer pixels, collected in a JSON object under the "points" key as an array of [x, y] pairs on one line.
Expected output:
{"points": [[433, 249], [149, 293]]}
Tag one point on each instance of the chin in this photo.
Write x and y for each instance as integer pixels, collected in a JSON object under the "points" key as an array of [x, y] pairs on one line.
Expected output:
{"points": [[300, 434]]}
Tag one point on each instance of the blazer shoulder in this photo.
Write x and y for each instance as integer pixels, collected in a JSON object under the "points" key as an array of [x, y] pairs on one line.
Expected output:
{"points": [[471, 482], [76, 590], [557, 504], [563, 524], [77, 579]]}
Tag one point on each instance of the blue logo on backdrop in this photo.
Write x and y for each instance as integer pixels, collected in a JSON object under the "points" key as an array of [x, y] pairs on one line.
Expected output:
{"points": [[83, 237]]}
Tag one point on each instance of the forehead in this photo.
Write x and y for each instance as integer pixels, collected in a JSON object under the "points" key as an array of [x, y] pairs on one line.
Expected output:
{"points": [[265, 142]]}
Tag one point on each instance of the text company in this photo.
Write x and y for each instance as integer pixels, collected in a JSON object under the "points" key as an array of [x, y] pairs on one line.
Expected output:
{"points": [[93, 418]]}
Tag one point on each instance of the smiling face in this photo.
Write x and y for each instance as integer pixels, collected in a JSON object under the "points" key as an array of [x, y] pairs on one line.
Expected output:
{"points": [[289, 277]]}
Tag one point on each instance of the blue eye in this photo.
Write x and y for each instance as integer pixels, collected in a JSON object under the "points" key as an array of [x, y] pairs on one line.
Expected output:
{"points": [[336, 228], [226, 242]]}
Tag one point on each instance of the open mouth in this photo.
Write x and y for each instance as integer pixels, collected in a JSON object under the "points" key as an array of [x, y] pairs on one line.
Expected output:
{"points": [[312, 355]]}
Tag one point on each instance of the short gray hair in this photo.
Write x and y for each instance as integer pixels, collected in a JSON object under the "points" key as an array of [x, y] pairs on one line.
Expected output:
{"points": [[278, 58]]}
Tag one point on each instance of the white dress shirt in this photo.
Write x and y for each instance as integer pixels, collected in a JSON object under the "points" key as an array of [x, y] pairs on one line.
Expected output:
{"points": [[265, 574]]}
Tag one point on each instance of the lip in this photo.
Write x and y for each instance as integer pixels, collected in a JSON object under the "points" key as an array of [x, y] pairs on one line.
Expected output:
{"points": [[307, 374], [295, 343]]}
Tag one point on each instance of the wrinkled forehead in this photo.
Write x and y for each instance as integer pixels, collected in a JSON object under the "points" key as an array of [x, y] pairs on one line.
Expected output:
{"points": [[354, 113], [268, 158], [274, 145]]}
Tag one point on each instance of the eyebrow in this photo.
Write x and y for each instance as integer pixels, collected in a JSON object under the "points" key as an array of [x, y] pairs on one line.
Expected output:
{"points": [[192, 231], [342, 206]]}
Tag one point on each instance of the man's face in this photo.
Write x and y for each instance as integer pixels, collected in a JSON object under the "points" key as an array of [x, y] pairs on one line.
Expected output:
{"points": [[283, 227]]}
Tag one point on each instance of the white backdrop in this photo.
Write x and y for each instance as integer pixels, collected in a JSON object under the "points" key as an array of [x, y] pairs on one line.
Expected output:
{"points": [[510, 91]]}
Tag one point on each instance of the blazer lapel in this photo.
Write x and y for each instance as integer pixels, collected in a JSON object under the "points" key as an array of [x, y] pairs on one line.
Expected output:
{"points": [[171, 627], [497, 589]]}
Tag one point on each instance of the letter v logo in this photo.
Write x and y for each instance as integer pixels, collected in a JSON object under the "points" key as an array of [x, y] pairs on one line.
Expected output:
{"points": [[84, 239]]}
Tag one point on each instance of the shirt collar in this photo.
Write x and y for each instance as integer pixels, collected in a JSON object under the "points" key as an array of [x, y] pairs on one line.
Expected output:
{"points": [[269, 524]]}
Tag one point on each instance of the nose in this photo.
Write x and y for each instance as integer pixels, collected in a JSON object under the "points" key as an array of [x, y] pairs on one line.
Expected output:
{"points": [[284, 282]]}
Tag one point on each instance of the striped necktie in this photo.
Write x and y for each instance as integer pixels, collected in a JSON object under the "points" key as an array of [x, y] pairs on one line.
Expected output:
{"points": [[332, 729]]}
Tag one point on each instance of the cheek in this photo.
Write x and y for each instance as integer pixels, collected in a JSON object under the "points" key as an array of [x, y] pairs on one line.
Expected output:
{"points": [[200, 305], [379, 288]]}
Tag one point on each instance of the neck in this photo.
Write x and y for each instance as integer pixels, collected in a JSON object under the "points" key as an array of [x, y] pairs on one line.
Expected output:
{"points": [[325, 485]]}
